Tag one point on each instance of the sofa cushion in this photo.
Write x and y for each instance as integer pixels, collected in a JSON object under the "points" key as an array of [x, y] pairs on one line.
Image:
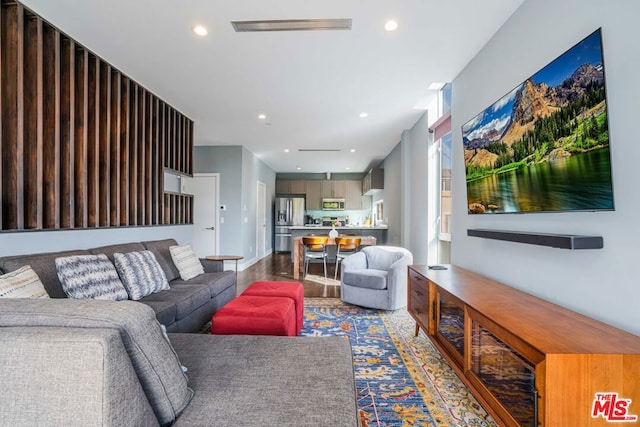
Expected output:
{"points": [[22, 283], [45, 267], [160, 249], [121, 248], [140, 273], [90, 277], [217, 282], [369, 278], [186, 260], [185, 298], [256, 381], [155, 362], [165, 310]]}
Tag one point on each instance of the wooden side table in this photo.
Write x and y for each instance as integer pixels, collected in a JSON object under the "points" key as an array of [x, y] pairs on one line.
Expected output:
{"points": [[224, 258]]}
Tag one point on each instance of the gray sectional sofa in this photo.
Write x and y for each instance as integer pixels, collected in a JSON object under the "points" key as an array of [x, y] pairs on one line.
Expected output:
{"points": [[185, 307], [88, 363]]}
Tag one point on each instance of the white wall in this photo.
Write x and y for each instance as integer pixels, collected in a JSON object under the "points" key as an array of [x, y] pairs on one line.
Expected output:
{"points": [[604, 283], [406, 179], [50, 241]]}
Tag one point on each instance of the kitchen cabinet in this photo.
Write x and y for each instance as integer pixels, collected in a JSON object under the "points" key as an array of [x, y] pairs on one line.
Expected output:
{"points": [[291, 187], [316, 190], [373, 181], [354, 198], [334, 189], [314, 195], [529, 362]]}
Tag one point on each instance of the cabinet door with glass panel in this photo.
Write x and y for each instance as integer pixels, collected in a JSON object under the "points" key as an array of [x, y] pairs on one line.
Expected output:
{"points": [[506, 371], [448, 323]]}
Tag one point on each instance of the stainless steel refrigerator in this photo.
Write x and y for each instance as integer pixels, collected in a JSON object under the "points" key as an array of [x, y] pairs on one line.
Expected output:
{"points": [[289, 213]]}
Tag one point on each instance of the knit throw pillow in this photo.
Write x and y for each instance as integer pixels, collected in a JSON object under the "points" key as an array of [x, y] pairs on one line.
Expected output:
{"points": [[90, 277], [140, 273], [22, 283], [186, 261]]}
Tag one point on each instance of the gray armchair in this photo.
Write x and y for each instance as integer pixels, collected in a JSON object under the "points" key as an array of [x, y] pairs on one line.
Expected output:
{"points": [[376, 277]]}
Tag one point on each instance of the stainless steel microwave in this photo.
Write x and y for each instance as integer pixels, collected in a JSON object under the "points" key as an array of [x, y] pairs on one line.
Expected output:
{"points": [[332, 204]]}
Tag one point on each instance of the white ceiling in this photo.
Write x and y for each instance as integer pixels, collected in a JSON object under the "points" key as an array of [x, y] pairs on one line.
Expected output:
{"points": [[312, 85]]}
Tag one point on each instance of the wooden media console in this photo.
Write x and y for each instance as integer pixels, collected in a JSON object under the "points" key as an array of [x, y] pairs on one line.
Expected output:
{"points": [[528, 361]]}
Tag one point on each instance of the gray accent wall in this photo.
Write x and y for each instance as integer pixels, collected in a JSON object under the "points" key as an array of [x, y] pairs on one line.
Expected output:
{"points": [[239, 170], [53, 241], [227, 161], [600, 283], [392, 195], [405, 195]]}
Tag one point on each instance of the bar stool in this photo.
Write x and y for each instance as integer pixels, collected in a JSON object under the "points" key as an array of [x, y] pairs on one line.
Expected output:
{"points": [[315, 247], [346, 245]]}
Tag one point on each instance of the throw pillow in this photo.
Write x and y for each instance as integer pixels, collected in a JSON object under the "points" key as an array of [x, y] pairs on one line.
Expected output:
{"points": [[140, 273], [186, 261], [22, 283], [90, 277]]}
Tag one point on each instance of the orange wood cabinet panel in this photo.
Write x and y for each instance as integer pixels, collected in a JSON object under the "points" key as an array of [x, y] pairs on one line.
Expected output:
{"points": [[561, 359]]}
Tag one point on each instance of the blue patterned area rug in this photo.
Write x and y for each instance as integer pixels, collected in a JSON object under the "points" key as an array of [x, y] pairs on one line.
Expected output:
{"points": [[401, 380]]}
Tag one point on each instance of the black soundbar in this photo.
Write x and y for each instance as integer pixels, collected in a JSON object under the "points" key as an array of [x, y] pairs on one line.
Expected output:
{"points": [[563, 241]]}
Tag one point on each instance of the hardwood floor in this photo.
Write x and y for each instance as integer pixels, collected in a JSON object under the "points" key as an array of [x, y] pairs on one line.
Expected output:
{"points": [[279, 268]]}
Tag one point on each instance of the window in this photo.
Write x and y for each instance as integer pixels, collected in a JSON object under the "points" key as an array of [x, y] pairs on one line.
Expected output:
{"points": [[445, 187], [378, 212], [442, 140]]}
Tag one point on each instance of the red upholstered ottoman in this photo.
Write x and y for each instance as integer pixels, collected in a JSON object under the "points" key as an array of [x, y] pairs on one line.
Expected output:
{"points": [[255, 315], [293, 290]]}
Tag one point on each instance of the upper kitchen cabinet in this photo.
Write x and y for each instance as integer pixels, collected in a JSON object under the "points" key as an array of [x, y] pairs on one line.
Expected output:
{"points": [[314, 195], [334, 189], [373, 181], [354, 196], [291, 187]]}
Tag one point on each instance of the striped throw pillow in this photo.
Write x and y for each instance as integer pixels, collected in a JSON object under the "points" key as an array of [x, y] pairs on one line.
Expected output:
{"points": [[186, 261], [140, 273], [22, 283], [90, 277]]}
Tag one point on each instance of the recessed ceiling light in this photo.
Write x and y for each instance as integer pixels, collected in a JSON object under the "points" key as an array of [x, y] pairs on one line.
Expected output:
{"points": [[262, 116], [286, 150], [347, 169], [391, 25], [364, 115], [353, 150], [436, 86], [200, 30], [298, 168]]}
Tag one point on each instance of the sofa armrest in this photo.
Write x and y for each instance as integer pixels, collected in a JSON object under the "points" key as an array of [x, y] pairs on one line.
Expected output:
{"points": [[212, 266], [69, 376], [357, 261], [397, 272]]}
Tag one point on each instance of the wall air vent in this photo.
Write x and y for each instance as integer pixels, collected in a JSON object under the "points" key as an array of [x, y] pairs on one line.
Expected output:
{"points": [[292, 25]]}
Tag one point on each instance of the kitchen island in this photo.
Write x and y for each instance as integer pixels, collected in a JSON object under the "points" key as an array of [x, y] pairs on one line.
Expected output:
{"points": [[379, 232], [370, 236]]}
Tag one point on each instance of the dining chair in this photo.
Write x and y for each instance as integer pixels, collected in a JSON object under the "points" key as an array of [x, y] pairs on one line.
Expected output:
{"points": [[315, 247], [345, 246]]}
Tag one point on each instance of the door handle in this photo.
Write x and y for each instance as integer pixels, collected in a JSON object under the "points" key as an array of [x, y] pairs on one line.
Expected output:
{"points": [[210, 228]]}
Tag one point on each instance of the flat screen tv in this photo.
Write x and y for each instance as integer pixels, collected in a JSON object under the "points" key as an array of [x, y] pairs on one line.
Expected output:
{"points": [[544, 146]]}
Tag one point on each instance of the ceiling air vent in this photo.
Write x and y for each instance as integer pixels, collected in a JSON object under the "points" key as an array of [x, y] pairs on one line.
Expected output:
{"points": [[292, 25], [318, 149]]}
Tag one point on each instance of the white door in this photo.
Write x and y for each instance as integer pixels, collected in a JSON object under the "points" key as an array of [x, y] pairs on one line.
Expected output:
{"points": [[261, 221], [205, 189]]}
